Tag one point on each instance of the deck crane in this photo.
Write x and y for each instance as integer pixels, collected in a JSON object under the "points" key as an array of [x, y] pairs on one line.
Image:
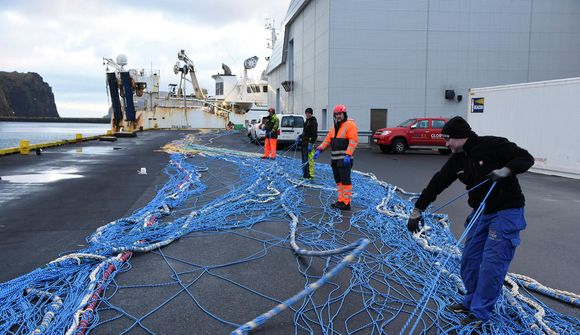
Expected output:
{"points": [[188, 68], [116, 65]]}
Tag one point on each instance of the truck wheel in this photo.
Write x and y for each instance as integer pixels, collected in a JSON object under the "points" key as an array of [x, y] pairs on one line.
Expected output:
{"points": [[385, 148], [398, 146], [444, 151]]}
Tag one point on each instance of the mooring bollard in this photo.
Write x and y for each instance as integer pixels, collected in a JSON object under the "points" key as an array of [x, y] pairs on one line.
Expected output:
{"points": [[24, 147]]}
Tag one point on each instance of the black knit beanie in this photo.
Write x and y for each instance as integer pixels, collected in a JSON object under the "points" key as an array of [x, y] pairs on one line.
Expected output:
{"points": [[456, 127]]}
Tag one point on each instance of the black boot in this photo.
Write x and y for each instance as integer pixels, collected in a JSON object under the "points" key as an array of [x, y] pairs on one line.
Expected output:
{"points": [[472, 321], [342, 206], [457, 308]]}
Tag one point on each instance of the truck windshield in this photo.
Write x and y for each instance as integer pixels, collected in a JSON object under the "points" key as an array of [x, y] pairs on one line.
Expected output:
{"points": [[407, 123]]}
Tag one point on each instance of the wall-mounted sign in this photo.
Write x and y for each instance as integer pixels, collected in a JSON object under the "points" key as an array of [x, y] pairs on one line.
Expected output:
{"points": [[477, 105]]}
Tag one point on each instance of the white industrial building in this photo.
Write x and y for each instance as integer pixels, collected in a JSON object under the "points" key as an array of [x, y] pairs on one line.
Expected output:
{"points": [[389, 60]]}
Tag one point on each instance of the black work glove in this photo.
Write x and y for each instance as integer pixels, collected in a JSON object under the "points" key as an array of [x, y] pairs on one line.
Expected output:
{"points": [[498, 174], [413, 224]]}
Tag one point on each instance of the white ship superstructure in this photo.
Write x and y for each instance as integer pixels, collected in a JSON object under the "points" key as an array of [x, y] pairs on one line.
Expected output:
{"points": [[184, 105]]}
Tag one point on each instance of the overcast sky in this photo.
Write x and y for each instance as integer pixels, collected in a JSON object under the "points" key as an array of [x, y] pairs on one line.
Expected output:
{"points": [[65, 41]]}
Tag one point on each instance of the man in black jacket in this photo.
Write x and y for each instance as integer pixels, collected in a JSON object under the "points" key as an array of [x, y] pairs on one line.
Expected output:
{"points": [[491, 242], [308, 138]]}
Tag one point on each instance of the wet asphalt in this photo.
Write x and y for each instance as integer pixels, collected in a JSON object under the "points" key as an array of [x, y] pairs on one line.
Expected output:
{"points": [[50, 203]]}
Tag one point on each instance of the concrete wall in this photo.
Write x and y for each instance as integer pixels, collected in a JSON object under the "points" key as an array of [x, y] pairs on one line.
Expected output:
{"points": [[309, 33]]}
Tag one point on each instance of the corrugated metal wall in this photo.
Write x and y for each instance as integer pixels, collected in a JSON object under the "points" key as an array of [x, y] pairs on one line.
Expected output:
{"points": [[402, 55]]}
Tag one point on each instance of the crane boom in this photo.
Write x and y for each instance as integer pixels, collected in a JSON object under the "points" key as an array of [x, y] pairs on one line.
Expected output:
{"points": [[189, 63], [109, 62]]}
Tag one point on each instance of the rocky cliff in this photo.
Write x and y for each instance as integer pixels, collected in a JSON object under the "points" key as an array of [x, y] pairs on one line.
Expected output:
{"points": [[25, 95]]}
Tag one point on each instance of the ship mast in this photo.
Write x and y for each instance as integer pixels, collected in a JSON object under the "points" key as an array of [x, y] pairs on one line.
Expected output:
{"points": [[273, 37]]}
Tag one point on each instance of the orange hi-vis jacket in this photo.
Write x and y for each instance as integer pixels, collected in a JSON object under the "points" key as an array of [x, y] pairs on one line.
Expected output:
{"points": [[342, 143]]}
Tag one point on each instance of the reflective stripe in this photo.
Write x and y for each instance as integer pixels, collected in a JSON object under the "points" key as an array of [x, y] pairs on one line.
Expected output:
{"points": [[347, 193], [337, 152], [343, 132], [352, 146]]}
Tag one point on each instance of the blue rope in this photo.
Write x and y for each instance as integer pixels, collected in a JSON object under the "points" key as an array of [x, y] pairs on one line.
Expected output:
{"points": [[212, 193], [431, 287]]}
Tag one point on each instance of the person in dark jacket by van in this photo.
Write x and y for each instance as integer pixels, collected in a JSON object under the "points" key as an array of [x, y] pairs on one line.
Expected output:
{"points": [[308, 138], [491, 243]]}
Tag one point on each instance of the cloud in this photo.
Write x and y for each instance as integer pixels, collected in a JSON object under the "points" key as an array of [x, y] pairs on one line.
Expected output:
{"points": [[65, 41]]}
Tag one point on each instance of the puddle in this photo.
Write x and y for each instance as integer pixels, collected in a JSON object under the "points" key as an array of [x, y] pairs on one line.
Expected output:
{"points": [[93, 150], [40, 178]]}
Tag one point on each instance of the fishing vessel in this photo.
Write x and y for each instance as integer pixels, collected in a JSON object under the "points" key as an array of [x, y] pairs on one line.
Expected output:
{"points": [[137, 102]]}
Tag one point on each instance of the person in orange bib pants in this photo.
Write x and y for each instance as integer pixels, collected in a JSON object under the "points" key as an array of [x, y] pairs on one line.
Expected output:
{"points": [[343, 140], [271, 126]]}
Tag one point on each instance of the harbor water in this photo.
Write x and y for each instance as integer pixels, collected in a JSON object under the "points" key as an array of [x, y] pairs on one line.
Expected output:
{"points": [[40, 132]]}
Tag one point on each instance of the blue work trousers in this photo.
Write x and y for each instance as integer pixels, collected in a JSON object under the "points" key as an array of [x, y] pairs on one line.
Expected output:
{"points": [[489, 248]]}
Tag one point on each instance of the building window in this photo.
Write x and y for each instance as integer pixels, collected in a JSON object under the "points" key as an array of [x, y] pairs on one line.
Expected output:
{"points": [[219, 88], [265, 88], [253, 89], [290, 60]]}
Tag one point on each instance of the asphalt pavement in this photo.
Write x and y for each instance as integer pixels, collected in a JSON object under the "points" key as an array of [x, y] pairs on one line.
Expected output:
{"points": [[51, 202]]}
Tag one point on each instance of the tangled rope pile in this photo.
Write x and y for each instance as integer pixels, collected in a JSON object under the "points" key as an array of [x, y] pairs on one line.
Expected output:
{"points": [[374, 272]]}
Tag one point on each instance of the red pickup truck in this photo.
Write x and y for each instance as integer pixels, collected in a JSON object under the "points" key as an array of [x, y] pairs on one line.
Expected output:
{"points": [[416, 133]]}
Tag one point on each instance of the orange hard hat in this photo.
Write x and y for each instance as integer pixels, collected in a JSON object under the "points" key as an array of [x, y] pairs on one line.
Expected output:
{"points": [[339, 109]]}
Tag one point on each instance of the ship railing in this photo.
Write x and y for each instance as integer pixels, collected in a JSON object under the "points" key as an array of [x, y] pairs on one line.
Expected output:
{"points": [[208, 106]]}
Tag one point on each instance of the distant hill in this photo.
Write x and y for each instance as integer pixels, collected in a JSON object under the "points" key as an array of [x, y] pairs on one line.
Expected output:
{"points": [[26, 95]]}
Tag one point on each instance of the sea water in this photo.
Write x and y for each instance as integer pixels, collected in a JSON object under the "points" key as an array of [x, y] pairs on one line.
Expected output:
{"points": [[40, 132]]}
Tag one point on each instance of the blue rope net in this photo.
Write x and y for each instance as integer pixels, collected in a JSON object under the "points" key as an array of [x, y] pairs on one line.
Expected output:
{"points": [[355, 273]]}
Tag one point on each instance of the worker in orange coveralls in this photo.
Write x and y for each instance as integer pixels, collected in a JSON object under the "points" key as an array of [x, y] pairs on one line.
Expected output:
{"points": [[343, 139]]}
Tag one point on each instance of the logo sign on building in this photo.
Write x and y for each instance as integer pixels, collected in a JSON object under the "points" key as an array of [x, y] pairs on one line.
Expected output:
{"points": [[477, 105]]}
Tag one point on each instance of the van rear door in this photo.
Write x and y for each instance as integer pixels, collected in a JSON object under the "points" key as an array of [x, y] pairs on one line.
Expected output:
{"points": [[290, 127]]}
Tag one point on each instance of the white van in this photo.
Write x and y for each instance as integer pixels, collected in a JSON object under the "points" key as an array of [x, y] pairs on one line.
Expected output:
{"points": [[254, 116], [291, 126], [256, 133]]}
